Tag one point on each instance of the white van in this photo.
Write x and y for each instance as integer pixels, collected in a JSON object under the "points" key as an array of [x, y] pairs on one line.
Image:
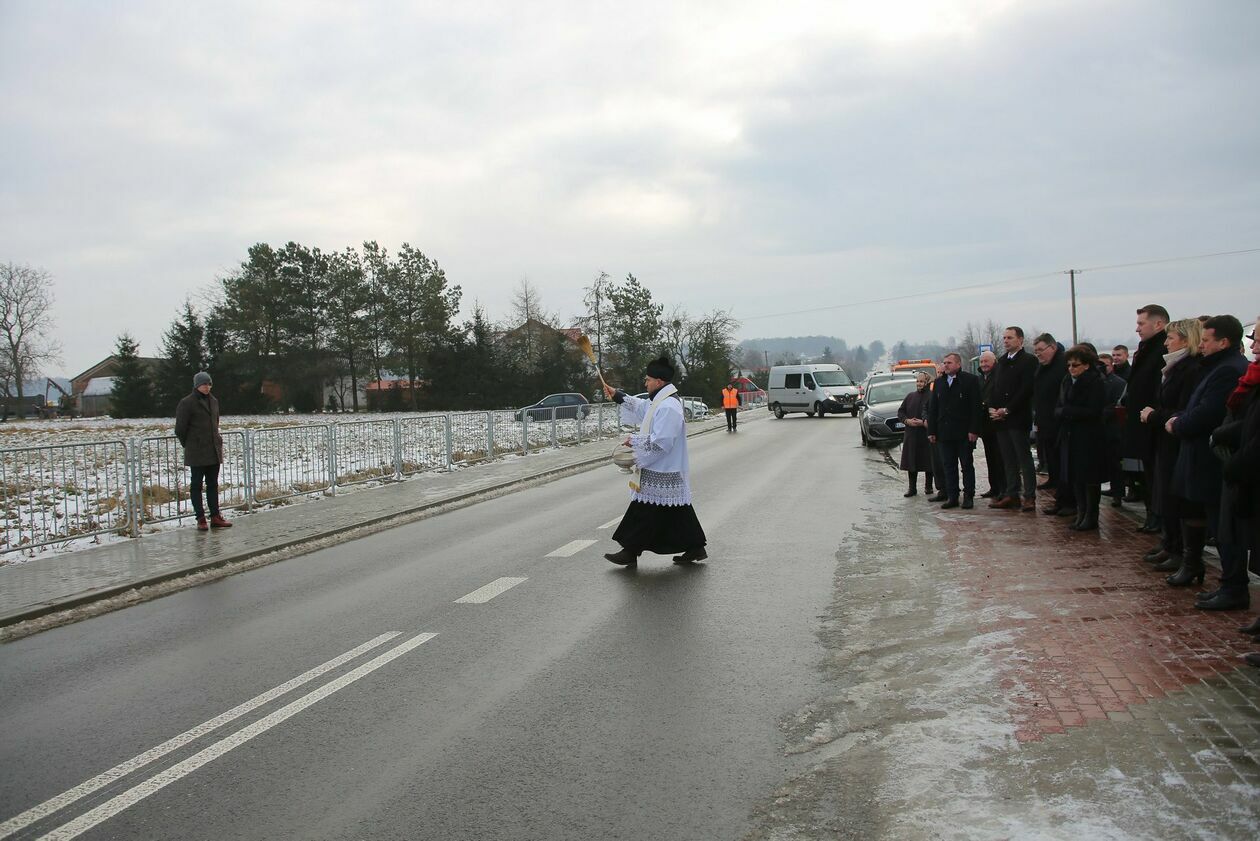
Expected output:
{"points": [[812, 389]]}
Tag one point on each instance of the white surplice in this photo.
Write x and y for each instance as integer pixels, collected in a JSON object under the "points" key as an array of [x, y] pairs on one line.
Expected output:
{"points": [[660, 447]]}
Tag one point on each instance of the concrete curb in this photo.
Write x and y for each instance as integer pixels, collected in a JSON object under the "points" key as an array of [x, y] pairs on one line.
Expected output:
{"points": [[286, 549]]}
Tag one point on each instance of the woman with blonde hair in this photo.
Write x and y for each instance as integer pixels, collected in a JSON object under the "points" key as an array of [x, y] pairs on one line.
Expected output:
{"points": [[1180, 376], [916, 450]]}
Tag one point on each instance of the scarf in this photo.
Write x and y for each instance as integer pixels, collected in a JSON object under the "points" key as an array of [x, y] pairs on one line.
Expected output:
{"points": [[1171, 359], [646, 429], [1249, 380]]}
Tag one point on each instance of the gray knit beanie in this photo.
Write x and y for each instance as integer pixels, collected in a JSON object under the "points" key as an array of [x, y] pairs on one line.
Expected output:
{"points": [[202, 378]]}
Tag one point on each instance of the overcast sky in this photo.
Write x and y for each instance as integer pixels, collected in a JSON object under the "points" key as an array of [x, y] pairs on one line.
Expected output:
{"points": [[768, 158]]}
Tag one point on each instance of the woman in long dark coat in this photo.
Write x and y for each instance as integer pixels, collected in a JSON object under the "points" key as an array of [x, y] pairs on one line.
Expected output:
{"points": [[1179, 377], [1082, 437], [916, 452]]}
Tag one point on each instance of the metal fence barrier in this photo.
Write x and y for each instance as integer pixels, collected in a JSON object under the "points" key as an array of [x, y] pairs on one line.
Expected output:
{"points": [[54, 493]]}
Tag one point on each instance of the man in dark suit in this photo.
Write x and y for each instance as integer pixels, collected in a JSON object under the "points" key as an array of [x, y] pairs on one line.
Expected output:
{"points": [[988, 434], [1198, 474], [1047, 385], [1138, 442], [1011, 409], [1120, 362], [954, 426]]}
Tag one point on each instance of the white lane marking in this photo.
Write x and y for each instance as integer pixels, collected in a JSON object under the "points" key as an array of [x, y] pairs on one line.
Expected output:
{"points": [[64, 799], [571, 548], [176, 772], [484, 594], [612, 523]]}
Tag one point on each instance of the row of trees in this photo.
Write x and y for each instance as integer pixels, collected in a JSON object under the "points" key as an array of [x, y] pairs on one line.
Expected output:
{"points": [[292, 322]]}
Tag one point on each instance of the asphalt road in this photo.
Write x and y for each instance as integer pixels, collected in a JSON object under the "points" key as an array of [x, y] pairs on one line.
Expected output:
{"points": [[581, 700]]}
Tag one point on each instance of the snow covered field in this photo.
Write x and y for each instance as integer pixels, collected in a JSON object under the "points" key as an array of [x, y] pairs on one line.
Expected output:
{"points": [[66, 484]]}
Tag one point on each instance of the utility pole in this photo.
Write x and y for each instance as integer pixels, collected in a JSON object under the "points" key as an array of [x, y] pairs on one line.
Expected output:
{"points": [[767, 353], [1072, 273]]}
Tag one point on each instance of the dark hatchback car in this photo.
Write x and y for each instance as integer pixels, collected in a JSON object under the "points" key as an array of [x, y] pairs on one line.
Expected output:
{"points": [[566, 407]]}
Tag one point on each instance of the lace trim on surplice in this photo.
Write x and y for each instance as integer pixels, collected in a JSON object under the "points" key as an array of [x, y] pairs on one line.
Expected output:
{"points": [[658, 488]]}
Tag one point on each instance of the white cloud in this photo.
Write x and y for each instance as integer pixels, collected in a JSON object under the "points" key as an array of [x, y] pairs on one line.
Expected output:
{"points": [[733, 156]]}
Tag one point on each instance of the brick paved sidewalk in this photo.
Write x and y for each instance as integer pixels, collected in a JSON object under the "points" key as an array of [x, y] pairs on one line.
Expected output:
{"points": [[994, 676], [1103, 633]]}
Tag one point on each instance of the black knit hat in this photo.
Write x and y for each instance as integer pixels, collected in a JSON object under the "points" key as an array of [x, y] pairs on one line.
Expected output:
{"points": [[661, 369]]}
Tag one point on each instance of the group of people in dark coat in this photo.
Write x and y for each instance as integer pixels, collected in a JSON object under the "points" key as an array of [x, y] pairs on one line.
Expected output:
{"points": [[943, 423], [1178, 427]]}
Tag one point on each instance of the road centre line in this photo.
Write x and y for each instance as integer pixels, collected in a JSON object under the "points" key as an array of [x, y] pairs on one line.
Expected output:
{"points": [[571, 548], [612, 522], [64, 799], [484, 594], [180, 770]]}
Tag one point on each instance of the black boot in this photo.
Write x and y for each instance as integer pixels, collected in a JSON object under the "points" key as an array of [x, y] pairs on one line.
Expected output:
{"points": [[624, 558], [914, 484], [1152, 524], [1226, 600], [1167, 555], [1191, 569], [691, 556], [1088, 521]]}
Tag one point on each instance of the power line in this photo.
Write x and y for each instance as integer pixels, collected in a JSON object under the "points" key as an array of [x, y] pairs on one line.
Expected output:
{"points": [[1168, 260], [1004, 282]]}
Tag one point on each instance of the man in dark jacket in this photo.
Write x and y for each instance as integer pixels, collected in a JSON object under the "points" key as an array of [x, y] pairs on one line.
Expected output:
{"points": [[1114, 388], [197, 428], [1137, 447], [988, 431], [1047, 384], [1120, 361], [954, 426], [1198, 474], [1011, 411]]}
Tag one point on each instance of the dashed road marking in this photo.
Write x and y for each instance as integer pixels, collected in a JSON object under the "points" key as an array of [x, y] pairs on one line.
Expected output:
{"points": [[612, 523], [156, 783], [48, 807], [484, 594], [571, 548]]}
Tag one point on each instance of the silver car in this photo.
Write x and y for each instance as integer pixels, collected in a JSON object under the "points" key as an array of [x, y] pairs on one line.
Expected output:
{"points": [[878, 421]]}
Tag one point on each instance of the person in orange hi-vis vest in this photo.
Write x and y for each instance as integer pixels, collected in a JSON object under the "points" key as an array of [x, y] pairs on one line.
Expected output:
{"points": [[730, 402]]}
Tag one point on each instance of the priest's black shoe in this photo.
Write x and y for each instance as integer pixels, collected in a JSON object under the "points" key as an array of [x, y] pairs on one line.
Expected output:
{"points": [[950, 503], [691, 556], [940, 497], [625, 557], [968, 502]]}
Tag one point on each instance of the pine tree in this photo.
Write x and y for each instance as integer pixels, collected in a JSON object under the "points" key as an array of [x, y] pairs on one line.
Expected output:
{"points": [[635, 335], [183, 349], [132, 394]]}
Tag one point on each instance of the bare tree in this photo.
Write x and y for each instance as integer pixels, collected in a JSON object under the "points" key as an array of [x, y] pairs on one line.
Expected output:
{"points": [[598, 311], [976, 334], [26, 322], [528, 320]]}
